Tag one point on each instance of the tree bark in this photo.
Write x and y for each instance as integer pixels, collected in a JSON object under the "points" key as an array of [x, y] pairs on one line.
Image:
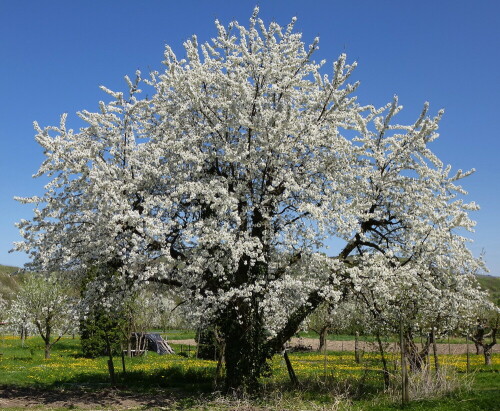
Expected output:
{"points": [[322, 338], [416, 357], [478, 347], [47, 351], [487, 351], [111, 367], [245, 347], [46, 340]]}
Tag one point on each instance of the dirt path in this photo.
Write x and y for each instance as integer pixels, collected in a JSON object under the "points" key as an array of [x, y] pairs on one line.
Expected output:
{"points": [[349, 346], [103, 399]]}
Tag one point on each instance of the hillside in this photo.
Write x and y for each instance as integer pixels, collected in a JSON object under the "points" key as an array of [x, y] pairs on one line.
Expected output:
{"points": [[9, 286], [492, 285], [8, 283]]}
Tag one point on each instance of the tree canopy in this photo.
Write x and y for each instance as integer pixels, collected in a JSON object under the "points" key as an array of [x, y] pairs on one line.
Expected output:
{"points": [[226, 180]]}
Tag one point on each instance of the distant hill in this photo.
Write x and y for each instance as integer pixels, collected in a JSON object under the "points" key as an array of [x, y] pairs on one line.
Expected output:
{"points": [[8, 282], [492, 285]]}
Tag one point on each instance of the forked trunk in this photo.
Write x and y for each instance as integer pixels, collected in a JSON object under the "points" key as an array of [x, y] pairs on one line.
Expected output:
{"points": [[417, 358], [487, 349]]}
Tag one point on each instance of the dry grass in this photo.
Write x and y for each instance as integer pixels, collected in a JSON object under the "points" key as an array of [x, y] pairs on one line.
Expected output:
{"points": [[428, 383]]}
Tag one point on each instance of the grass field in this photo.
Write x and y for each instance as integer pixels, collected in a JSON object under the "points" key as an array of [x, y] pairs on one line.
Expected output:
{"points": [[333, 381]]}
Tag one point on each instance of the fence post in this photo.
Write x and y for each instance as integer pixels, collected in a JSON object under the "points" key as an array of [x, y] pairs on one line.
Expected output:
{"points": [[468, 357], [404, 371]]}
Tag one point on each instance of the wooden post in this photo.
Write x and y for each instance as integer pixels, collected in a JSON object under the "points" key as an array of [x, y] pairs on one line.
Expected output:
{"points": [[434, 351], [356, 348], [291, 372], [384, 361], [123, 362], [468, 355], [404, 371], [325, 356]]}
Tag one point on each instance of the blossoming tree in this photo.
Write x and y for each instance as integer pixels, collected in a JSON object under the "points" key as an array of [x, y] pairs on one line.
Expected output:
{"points": [[44, 304], [227, 181]]}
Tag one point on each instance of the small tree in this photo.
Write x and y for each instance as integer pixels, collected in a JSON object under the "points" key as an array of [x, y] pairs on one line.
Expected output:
{"points": [[47, 304], [321, 322], [3, 308], [485, 332]]}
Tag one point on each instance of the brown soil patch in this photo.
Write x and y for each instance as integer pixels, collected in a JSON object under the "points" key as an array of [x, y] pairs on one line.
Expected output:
{"points": [[102, 399], [455, 349]]}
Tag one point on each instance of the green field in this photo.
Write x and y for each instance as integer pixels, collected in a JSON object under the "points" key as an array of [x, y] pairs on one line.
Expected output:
{"points": [[333, 381]]}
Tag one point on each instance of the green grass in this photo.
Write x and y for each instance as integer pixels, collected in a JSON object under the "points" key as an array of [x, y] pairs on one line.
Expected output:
{"points": [[179, 334], [324, 380]]}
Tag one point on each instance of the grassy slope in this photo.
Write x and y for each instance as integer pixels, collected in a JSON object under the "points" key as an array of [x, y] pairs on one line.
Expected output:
{"points": [[8, 284], [492, 285]]}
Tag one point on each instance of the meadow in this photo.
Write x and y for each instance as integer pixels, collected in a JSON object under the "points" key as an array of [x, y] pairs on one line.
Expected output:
{"points": [[331, 381]]}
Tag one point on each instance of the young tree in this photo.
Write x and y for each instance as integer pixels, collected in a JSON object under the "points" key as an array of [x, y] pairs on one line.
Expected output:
{"points": [[47, 305], [425, 304], [227, 181], [485, 332], [3, 309]]}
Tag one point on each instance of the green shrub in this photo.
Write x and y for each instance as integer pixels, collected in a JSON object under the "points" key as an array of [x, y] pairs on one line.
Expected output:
{"points": [[95, 330]]}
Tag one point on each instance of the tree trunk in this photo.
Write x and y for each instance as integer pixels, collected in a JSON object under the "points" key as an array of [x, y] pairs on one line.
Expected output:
{"points": [[23, 335], [245, 347], [111, 367], [46, 340], [416, 357], [220, 354], [322, 338], [487, 349], [478, 347], [47, 351]]}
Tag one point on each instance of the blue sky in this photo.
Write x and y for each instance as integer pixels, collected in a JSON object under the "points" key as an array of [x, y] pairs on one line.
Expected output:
{"points": [[55, 54]]}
